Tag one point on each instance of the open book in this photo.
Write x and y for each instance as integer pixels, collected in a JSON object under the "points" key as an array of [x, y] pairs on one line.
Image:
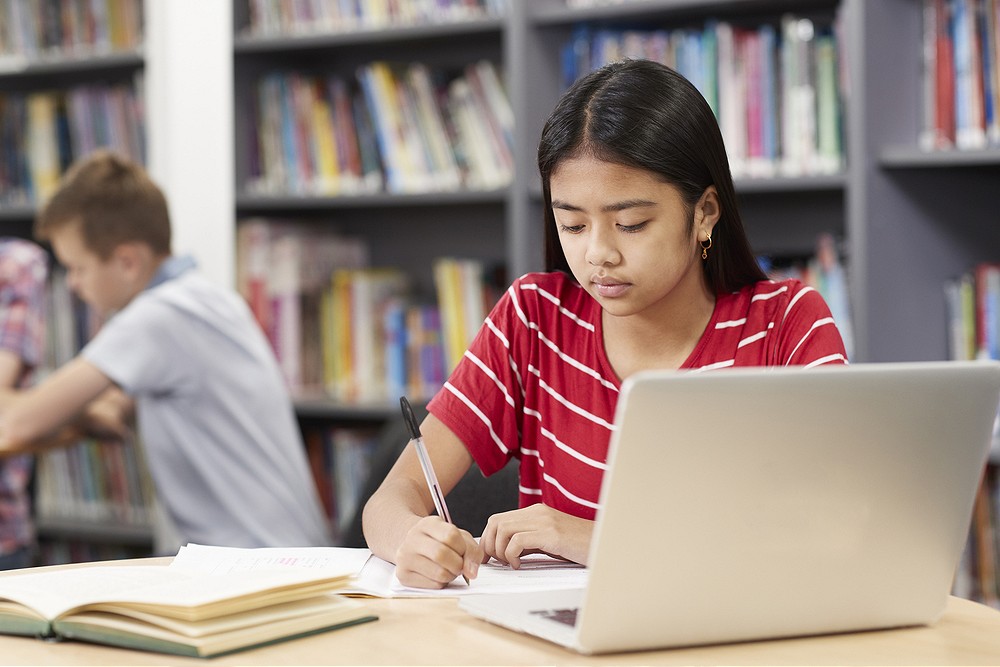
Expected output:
{"points": [[158, 608]]}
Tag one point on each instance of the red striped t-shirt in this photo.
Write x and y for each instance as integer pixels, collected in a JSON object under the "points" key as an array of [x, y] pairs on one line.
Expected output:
{"points": [[536, 383]]}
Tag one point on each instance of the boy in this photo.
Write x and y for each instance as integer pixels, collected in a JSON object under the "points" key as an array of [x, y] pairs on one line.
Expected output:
{"points": [[221, 440], [23, 268]]}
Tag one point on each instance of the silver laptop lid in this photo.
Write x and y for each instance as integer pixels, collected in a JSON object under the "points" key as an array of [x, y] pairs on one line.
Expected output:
{"points": [[752, 503]]}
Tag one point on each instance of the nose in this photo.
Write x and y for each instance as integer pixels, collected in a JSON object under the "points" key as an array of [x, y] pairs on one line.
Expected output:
{"points": [[601, 249]]}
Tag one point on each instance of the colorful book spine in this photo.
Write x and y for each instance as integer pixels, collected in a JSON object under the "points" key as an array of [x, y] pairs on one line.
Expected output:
{"points": [[776, 90]]}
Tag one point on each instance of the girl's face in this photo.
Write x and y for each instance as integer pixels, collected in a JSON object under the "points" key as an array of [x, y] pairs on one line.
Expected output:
{"points": [[628, 237]]}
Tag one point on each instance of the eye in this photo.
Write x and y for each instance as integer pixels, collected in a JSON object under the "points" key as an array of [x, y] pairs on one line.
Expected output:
{"points": [[632, 229], [571, 229]]}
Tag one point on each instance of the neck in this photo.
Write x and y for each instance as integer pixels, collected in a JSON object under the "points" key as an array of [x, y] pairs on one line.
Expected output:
{"points": [[151, 268], [663, 335]]}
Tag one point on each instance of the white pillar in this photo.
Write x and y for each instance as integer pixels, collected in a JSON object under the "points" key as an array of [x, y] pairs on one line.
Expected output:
{"points": [[189, 123]]}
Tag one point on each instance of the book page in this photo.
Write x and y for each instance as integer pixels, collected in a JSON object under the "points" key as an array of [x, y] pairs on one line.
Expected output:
{"points": [[376, 577], [536, 573], [202, 558], [175, 593]]}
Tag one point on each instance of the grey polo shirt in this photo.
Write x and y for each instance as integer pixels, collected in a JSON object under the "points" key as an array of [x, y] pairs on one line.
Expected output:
{"points": [[215, 418]]}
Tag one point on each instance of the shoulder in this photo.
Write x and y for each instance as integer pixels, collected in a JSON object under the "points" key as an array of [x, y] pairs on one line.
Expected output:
{"points": [[776, 299], [167, 301], [801, 328]]}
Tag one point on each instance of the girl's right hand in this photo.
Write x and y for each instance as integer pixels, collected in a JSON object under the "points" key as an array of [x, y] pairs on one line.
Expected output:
{"points": [[434, 552]]}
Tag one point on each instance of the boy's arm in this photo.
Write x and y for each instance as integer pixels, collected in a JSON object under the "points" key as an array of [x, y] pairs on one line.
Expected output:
{"points": [[32, 416]]}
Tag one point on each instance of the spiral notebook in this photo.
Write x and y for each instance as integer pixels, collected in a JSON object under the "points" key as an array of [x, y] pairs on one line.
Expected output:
{"points": [[749, 504]]}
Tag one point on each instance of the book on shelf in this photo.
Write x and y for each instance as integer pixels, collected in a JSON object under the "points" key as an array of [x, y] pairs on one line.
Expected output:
{"points": [[984, 521], [398, 128], [94, 482], [463, 299], [339, 457], [34, 30], [279, 17], [960, 85], [353, 331], [777, 90], [43, 144], [167, 610], [42, 133], [972, 302], [283, 270]]}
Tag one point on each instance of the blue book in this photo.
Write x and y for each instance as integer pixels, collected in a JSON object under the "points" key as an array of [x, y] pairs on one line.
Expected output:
{"points": [[394, 328]]}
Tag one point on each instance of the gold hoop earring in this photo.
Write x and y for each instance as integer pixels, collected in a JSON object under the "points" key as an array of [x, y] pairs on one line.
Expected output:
{"points": [[704, 248]]}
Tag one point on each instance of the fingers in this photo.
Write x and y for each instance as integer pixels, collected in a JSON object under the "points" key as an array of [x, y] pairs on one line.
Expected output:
{"points": [[510, 535], [434, 553], [535, 529]]}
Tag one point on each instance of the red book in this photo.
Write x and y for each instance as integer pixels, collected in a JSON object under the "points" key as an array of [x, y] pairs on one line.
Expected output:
{"points": [[945, 75]]}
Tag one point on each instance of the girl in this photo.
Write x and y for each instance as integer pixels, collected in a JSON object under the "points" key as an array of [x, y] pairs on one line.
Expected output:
{"points": [[648, 268]]}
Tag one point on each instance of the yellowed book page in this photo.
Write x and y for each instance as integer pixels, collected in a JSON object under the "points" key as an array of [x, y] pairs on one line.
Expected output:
{"points": [[158, 588]]}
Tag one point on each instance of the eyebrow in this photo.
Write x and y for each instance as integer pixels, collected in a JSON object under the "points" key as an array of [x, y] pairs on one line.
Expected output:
{"points": [[609, 208]]}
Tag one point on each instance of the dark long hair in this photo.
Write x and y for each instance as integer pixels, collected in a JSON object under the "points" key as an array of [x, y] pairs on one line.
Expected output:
{"points": [[645, 115]]}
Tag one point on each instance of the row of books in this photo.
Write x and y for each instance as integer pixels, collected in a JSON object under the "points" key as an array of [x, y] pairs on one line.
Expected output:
{"points": [[42, 133], [972, 301], [34, 29], [825, 272], [349, 330], [960, 77], [777, 90], [393, 128], [94, 481], [340, 461], [973, 307], [280, 17], [977, 577]]}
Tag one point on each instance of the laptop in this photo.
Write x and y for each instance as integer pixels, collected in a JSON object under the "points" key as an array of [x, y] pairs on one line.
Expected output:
{"points": [[760, 503]]}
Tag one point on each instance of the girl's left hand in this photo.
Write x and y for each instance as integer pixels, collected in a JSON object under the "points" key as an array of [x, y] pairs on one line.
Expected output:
{"points": [[536, 529]]}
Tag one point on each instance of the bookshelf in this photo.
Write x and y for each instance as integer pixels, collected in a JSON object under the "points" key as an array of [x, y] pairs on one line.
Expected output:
{"points": [[88, 67]]}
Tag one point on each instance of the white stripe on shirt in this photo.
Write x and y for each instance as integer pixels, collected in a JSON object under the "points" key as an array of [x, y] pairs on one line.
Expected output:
{"points": [[577, 499], [817, 324], [593, 463], [491, 375], [571, 406], [479, 413], [551, 297]]}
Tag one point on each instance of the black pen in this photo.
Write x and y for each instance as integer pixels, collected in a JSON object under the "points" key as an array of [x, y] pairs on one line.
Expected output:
{"points": [[425, 463]]}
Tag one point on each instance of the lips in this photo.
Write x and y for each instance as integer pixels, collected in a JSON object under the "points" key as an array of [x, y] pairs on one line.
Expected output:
{"points": [[609, 288]]}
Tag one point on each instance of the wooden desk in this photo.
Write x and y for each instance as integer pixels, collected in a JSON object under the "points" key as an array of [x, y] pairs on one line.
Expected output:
{"points": [[436, 631]]}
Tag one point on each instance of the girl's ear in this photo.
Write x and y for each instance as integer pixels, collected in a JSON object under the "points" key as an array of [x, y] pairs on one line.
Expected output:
{"points": [[707, 212]]}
